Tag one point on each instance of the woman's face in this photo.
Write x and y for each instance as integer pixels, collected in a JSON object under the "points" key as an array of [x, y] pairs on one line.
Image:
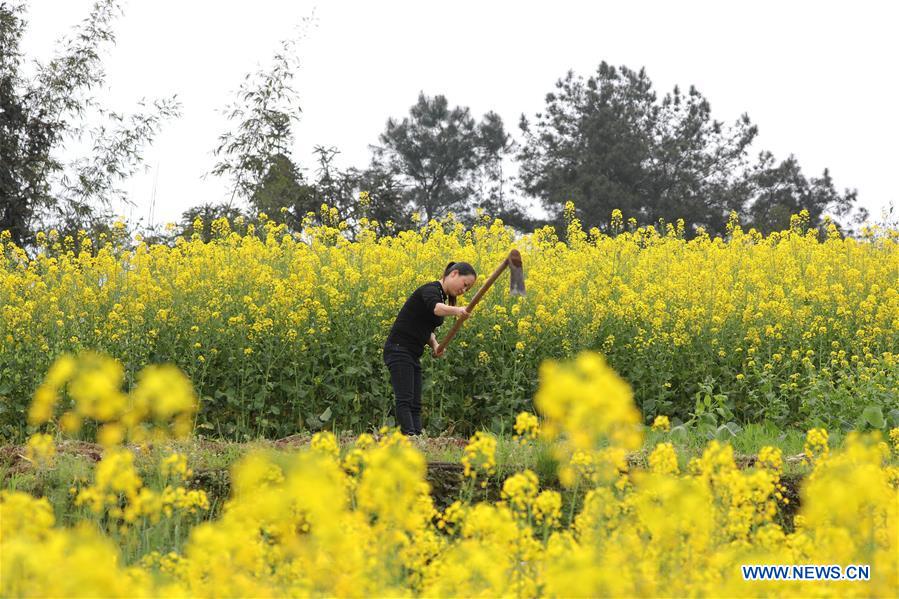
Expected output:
{"points": [[457, 284]]}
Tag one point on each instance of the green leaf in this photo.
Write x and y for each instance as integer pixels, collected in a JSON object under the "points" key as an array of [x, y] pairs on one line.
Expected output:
{"points": [[873, 415], [724, 432], [326, 415], [894, 416], [679, 432]]}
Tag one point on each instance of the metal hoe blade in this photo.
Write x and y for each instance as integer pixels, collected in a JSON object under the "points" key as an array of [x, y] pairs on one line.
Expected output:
{"points": [[516, 274]]}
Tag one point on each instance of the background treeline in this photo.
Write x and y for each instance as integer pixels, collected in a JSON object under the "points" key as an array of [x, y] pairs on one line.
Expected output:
{"points": [[606, 140]]}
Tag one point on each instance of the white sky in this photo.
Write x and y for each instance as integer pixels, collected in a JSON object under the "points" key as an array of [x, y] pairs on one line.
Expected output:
{"points": [[818, 78]]}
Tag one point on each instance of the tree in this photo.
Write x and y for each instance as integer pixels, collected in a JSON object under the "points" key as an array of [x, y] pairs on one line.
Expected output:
{"points": [[42, 114], [21, 136], [356, 194], [696, 164], [266, 108], [445, 160], [778, 191], [282, 193], [285, 196], [207, 213], [607, 142], [387, 202]]}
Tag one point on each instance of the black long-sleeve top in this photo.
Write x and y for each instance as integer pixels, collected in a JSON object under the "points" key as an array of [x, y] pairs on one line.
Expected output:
{"points": [[416, 320]]}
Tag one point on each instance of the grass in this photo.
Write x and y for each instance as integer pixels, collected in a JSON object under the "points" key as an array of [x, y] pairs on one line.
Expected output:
{"points": [[209, 454], [75, 463]]}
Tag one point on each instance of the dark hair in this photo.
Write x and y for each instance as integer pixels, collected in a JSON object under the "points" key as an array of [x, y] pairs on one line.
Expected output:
{"points": [[464, 269]]}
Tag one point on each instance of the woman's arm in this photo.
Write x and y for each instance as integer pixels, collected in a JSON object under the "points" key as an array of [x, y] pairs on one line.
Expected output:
{"points": [[442, 309], [434, 345]]}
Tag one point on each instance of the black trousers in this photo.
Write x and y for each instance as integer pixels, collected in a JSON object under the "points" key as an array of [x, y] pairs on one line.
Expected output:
{"points": [[405, 376]]}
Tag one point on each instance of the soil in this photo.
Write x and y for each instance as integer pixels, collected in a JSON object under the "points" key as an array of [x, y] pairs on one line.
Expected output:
{"points": [[12, 457]]}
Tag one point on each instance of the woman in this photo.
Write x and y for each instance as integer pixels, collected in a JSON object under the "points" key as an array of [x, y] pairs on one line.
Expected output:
{"points": [[413, 329]]}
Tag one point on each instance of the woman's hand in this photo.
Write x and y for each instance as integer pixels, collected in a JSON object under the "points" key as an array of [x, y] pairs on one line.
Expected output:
{"points": [[461, 313], [434, 346]]}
